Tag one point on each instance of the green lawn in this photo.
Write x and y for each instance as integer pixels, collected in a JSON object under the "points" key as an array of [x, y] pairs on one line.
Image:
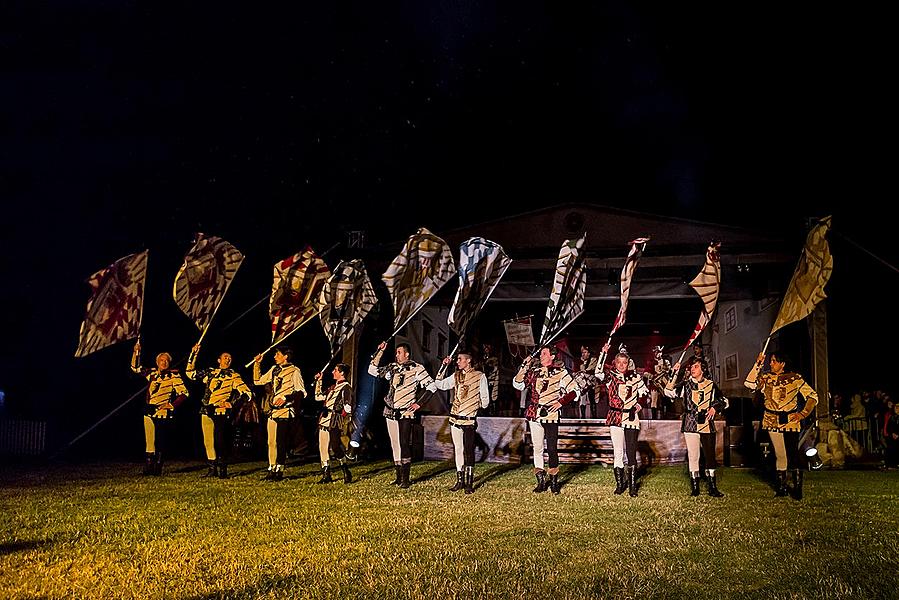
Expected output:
{"points": [[103, 531]]}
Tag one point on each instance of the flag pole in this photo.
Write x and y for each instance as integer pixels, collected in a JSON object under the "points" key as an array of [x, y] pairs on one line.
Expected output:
{"points": [[281, 340], [143, 295], [219, 303]]}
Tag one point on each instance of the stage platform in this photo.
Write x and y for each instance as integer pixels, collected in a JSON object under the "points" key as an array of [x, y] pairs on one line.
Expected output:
{"points": [[585, 441]]}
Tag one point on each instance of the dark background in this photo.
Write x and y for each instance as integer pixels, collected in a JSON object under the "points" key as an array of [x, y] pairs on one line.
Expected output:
{"points": [[132, 125]]}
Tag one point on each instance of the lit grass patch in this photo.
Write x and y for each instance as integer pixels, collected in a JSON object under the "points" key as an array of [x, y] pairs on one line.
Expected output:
{"points": [[102, 531]]}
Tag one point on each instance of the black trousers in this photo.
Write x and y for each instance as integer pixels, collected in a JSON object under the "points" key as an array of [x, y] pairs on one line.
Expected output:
{"points": [[221, 435], [707, 441], [551, 434], [283, 436], [405, 429], [336, 444], [630, 446]]}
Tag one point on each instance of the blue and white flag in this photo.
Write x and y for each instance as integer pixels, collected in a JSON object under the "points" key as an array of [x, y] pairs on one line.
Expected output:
{"points": [[482, 264]]}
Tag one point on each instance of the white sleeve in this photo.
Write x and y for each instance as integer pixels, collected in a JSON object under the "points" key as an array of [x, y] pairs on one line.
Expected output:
{"points": [[484, 391]]}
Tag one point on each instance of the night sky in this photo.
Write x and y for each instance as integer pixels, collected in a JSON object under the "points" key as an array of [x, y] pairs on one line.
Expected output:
{"points": [[132, 125]]}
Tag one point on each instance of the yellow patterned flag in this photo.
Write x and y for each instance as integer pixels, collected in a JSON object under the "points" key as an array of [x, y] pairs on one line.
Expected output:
{"points": [[806, 288], [424, 266]]}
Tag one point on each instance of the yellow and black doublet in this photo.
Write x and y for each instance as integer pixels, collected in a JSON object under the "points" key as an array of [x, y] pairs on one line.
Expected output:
{"points": [[165, 391], [225, 389], [788, 400], [785, 394]]}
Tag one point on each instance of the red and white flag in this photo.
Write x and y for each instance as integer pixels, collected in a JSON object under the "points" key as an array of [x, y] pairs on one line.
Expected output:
{"points": [[627, 274], [296, 292], [116, 304], [707, 284], [203, 279]]}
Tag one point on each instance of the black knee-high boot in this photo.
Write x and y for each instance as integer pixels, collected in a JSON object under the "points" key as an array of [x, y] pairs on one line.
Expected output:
{"points": [[399, 475], [211, 469], [781, 484], [326, 475], [797, 484], [405, 483], [694, 483], [347, 476], [460, 481], [540, 474], [469, 480], [632, 481], [713, 485], [149, 463], [620, 481]]}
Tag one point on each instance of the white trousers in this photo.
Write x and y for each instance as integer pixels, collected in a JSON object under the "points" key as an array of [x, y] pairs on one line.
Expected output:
{"points": [[393, 430], [537, 438], [617, 446], [780, 449]]}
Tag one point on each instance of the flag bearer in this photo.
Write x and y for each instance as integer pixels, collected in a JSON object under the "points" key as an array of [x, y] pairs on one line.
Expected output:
{"points": [[335, 422], [225, 389], [166, 390], [470, 392], [288, 389]]}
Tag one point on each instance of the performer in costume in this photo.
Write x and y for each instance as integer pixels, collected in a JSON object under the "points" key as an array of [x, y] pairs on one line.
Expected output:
{"points": [[335, 421], [587, 380], [627, 395], [657, 381], [404, 376], [166, 390], [702, 400], [788, 400], [470, 392], [225, 390], [550, 387], [288, 389]]}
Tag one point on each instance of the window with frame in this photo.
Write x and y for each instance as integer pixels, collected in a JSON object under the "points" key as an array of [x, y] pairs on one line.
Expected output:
{"points": [[730, 319]]}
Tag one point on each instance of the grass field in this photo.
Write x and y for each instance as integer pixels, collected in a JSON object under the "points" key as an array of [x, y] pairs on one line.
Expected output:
{"points": [[103, 531]]}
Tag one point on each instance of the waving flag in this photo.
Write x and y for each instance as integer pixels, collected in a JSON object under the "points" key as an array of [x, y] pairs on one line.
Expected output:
{"points": [[627, 274], [296, 292], [707, 284], [566, 301], [346, 298], [423, 267], [482, 264], [115, 307], [203, 279], [812, 273]]}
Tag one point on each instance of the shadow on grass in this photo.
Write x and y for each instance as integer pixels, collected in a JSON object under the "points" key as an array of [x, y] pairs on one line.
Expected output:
{"points": [[494, 472], [569, 473], [21, 546], [436, 470]]}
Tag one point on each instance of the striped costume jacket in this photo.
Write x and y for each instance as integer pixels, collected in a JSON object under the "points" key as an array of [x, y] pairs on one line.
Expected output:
{"points": [[470, 392], [785, 394], [287, 389], [333, 413]]}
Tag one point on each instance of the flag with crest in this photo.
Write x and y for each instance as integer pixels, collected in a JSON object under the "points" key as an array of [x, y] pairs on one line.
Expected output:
{"points": [[707, 284], [203, 279], [115, 307], [566, 300], [482, 264], [346, 298], [296, 292], [627, 275], [812, 273], [423, 267]]}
